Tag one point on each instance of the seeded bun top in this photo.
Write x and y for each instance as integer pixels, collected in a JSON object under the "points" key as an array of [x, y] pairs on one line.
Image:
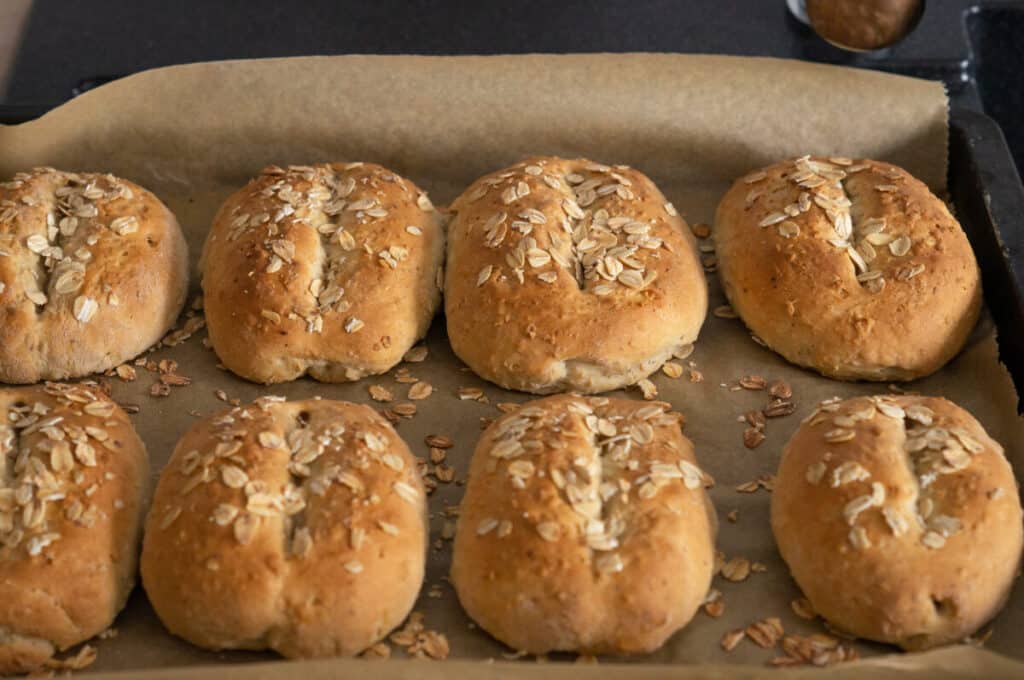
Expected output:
{"points": [[569, 275], [94, 270], [585, 527], [850, 267], [899, 518], [73, 476], [292, 526], [331, 270]]}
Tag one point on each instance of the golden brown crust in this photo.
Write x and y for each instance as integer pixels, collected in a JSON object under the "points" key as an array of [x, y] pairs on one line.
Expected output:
{"points": [[331, 270], [899, 518], [530, 302], [67, 564], [585, 527], [859, 271], [94, 270], [294, 526]]}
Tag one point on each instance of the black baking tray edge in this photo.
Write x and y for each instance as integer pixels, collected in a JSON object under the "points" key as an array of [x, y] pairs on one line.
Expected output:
{"points": [[989, 199]]}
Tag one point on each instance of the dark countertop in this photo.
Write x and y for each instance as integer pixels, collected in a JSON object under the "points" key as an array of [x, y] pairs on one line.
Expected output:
{"points": [[67, 42]]}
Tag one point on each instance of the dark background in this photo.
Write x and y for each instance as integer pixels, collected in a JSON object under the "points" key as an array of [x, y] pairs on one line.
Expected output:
{"points": [[66, 41]]}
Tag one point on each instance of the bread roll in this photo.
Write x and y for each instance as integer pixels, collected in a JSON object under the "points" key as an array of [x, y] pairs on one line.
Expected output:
{"points": [[569, 275], [293, 526], [899, 518], [331, 270], [93, 271], [585, 527], [72, 480], [852, 268]]}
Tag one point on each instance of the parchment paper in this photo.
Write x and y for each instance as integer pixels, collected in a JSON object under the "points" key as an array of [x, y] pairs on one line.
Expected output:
{"points": [[195, 133]]}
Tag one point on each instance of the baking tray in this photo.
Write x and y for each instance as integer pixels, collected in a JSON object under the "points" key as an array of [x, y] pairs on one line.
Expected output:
{"points": [[986, 191], [981, 175]]}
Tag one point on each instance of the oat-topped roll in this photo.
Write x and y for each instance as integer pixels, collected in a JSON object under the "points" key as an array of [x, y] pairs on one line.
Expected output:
{"points": [[585, 527], [73, 474], [850, 267], [93, 271], [899, 518], [570, 275], [293, 526], [331, 270]]}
